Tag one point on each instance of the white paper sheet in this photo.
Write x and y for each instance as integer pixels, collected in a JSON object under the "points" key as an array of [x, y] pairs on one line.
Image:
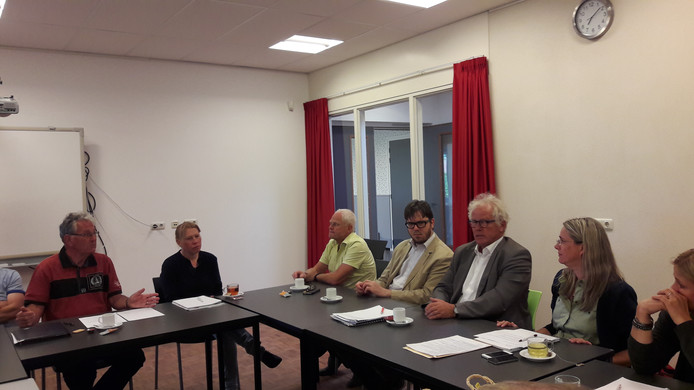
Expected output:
{"points": [[448, 346], [626, 384], [139, 314], [511, 339]]}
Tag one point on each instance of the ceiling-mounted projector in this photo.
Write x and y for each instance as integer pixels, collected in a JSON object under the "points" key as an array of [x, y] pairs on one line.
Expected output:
{"points": [[8, 105]]}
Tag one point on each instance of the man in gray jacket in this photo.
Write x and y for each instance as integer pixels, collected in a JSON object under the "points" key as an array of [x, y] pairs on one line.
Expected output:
{"points": [[489, 277]]}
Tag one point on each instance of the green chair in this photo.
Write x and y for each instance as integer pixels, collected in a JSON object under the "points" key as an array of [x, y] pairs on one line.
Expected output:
{"points": [[533, 302]]}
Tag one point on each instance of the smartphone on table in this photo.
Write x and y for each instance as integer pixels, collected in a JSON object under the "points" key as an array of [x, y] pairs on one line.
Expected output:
{"points": [[499, 357]]}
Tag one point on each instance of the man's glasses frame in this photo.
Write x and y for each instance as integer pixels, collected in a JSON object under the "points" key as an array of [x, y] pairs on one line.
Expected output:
{"points": [[483, 223], [419, 224]]}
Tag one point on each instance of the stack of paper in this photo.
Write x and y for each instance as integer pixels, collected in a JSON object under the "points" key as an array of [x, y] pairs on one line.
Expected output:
{"points": [[511, 339], [363, 317], [626, 384], [448, 346], [196, 302]]}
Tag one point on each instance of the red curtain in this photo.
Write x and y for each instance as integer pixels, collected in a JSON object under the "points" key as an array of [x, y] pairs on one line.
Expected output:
{"points": [[319, 177], [473, 152]]}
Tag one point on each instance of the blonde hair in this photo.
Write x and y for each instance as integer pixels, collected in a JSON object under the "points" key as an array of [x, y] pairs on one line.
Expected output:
{"points": [[598, 262], [182, 227]]}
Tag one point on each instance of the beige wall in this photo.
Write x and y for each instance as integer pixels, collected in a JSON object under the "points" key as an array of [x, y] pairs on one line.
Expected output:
{"points": [[581, 128], [170, 141]]}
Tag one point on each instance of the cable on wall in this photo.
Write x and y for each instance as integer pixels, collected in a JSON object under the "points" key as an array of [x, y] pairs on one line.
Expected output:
{"points": [[91, 200]]}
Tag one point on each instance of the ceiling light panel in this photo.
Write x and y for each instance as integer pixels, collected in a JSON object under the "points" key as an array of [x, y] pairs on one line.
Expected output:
{"points": [[419, 3], [304, 44]]}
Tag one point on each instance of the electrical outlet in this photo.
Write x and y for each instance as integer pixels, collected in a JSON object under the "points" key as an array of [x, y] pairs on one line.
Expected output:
{"points": [[607, 223], [193, 220], [174, 224], [157, 226]]}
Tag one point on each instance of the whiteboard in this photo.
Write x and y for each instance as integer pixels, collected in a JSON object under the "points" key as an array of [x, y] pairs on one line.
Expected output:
{"points": [[42, 179]]}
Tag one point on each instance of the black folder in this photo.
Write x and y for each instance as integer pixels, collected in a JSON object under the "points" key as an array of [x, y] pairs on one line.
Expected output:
{"points": [[38, 332]]}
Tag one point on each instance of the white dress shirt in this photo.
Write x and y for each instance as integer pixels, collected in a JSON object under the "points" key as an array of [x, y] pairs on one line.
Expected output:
{"points": [[472, 281], [413, 256]]}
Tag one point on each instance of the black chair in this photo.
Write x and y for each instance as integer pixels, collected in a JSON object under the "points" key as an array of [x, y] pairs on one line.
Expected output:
{"points": [[208, 349], [377, 248], [380, 266], [59, 383]]}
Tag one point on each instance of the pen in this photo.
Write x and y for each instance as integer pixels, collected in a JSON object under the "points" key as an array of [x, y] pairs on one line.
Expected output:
{"points": [[382, 308], [108, 331]]}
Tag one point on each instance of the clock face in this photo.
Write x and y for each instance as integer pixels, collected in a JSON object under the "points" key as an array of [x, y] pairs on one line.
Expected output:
{"points": [[592, 18]]}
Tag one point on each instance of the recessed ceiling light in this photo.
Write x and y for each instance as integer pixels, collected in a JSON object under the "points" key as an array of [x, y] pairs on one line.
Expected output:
{"points": [[305, 44], [420, 3]]}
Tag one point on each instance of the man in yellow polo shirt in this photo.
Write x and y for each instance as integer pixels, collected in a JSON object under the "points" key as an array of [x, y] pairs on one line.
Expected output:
{"points": [[346, 259]]}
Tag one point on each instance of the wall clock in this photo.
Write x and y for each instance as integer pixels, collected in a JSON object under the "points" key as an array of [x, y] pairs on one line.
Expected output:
{"points": [[592, 18]]}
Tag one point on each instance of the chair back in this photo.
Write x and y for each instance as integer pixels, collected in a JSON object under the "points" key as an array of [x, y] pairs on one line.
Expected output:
{"points": [[380, 266], [377, 248], [533, 302], [159, 289]]}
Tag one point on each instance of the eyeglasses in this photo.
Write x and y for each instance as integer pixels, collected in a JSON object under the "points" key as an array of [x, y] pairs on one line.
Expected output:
{"points": [[481, 223], [95, 233], [419, 224], [564, 242]]}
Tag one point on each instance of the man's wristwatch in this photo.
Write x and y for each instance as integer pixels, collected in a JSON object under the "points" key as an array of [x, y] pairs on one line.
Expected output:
{"points": [[315, 277]]}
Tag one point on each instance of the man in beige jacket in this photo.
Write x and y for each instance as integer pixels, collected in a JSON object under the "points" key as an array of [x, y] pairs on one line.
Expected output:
{"points": [[417, 265]]}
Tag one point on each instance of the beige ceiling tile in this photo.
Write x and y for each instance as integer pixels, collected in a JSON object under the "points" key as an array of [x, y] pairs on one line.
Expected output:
{"points": [[36, 36], [105, 42], [207, 20], [165, 48], [337, 29], [268, 28], [134, 16], [58, 12]]}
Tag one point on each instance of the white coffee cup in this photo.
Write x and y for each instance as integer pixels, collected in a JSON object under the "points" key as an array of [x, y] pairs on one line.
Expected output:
{"points": [[299, 282], [399, 315], [331, 293], [107, 319]]}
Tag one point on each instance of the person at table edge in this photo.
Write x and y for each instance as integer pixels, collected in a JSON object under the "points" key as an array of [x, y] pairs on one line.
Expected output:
{"points": [[488, 277], [11, 294], [78, 282], [417, 265], [651, 346], [191, 272], [346, 259]]}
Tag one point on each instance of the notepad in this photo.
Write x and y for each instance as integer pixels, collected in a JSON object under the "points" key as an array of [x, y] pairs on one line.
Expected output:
{"points": [[511, 339], [196, 302], [363, 317], [38, 332], [447, 346]]}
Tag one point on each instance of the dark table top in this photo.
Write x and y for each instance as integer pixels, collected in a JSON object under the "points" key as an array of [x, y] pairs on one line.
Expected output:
{"points": [[384, 344], [598, 373], [306, 315], [11, 368], [299, 312], [176, 323]]}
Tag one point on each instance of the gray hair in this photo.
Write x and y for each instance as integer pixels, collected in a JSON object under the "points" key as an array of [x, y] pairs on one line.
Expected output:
{"points": [[498, 209], [348, 217], [69, 224]]}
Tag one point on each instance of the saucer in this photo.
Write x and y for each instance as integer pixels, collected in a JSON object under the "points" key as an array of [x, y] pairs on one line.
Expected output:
{"points": [[526, 355], [240, 294], [104, 327], [294, 288], [325, 299], [407, 321]]}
